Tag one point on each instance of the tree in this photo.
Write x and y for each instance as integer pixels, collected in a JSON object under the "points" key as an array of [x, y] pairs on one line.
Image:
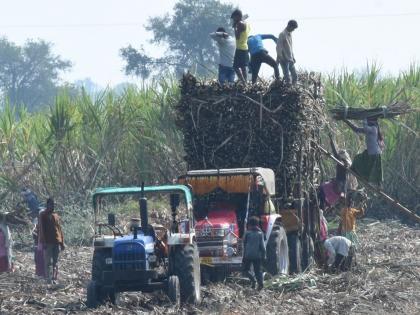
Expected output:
{"points": [[29, 74], [186, 35]]}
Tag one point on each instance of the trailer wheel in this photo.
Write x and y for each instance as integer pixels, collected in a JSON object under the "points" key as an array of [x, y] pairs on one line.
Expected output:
{"points": [[92, 295], [173, 290], [277, 252], [307, 252], [295, 253], [187, 268]]}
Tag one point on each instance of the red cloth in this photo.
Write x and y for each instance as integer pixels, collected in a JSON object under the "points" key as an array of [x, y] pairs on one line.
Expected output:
{"points": [[39, 261], [330, 192]]}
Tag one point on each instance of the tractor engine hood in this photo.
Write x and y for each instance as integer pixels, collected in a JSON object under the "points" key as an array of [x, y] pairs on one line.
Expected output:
{"points": [[221, 218], [145, 241]]}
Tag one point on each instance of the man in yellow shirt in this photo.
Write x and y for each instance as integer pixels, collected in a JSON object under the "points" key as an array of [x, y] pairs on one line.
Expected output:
{"points": [[349, 214], [241, 58]]}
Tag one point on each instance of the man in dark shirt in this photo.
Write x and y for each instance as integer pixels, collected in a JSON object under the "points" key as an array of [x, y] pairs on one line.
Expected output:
{"points": [[51, 235], [260, 55], [254, 252], [32, 203]]}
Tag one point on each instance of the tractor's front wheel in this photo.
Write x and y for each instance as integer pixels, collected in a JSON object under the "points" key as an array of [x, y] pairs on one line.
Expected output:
{"points": [[187, 268], [277, 252], [173, 290], [307, 252], [92, 295], [295, 252]]}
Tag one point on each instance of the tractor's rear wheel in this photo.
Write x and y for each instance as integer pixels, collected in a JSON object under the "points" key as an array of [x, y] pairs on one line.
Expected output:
{"points": [[295, 253], [173, 290], [187, 268], [277, 252]]}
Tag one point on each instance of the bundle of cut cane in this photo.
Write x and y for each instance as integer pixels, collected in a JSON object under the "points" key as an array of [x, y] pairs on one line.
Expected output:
{"points": [[265, 125], [357, 113]]}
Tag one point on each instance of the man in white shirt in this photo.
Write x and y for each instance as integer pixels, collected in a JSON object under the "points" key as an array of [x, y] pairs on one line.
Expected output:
{"points": [[340, 252], [227, 46], [285, 54]]}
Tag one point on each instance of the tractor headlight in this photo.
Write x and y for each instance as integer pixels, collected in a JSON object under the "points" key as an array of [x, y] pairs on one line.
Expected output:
{"points": [[108, 261], [230, 251], [231, 239], [220, 232]]}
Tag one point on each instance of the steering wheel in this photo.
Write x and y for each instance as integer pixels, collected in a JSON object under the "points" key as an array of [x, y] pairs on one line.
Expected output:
{"points": [[115, 230]]}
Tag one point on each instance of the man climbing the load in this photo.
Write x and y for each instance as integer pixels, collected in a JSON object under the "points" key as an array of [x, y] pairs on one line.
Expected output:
{"points": [[241, 58], [51, 235], [339, 253], [260, 55], [349, 214], [285, 54], [344, 180], [227, 47], [368, 164], [254, 252]]}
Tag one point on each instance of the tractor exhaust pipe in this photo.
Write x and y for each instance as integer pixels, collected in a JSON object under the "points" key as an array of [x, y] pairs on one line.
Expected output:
{"points": [[143, 210]]}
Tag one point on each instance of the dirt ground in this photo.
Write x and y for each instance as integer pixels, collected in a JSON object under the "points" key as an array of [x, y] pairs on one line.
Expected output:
{"points": [[385, 281]]}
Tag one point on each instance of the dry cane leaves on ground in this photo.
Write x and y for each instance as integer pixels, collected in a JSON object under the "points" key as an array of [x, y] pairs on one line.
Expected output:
{"points": [[385, 281]]}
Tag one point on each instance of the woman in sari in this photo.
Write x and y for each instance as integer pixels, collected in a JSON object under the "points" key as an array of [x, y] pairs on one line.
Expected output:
{"points": [[368, 164]]}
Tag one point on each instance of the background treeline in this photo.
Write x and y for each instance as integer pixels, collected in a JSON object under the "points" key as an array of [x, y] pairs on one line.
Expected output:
{"points": [[80, 142]]}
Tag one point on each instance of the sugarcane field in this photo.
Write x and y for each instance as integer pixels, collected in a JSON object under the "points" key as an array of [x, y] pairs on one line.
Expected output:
{"points": [[209, 157]]}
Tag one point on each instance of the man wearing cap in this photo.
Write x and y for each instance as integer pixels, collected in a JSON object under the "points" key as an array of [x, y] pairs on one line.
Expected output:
{"points": [[241, 59], [227, 47], [285, 54]]}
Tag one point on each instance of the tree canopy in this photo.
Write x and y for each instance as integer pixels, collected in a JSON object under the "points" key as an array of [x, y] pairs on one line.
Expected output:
{"points": [[29, 74], [185, 34]]}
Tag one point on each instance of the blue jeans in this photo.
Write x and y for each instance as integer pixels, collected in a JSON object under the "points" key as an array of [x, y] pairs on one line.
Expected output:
{"points": [[288, 66], [226, 74]]}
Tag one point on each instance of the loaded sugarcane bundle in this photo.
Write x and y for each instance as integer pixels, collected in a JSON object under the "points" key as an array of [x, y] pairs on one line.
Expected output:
{"points": [[265, 125], [357, 113]]}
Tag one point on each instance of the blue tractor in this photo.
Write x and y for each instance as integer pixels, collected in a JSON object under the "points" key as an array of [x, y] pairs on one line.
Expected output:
{"points": [[144, 259]]}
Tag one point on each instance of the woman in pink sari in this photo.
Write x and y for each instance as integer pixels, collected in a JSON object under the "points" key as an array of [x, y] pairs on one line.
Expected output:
{"points": [[39, 250]]}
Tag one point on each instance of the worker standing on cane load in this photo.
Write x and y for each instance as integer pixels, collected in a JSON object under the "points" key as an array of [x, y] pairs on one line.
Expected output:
{"points": [[52, 236], [254, 252], [227, 47], [285, 54], [260, 55], [368, 164], [241, 59], [339, 253]]}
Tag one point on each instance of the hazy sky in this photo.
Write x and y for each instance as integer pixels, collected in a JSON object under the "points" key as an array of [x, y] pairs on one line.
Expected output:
{"points": [[332, 33]]}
